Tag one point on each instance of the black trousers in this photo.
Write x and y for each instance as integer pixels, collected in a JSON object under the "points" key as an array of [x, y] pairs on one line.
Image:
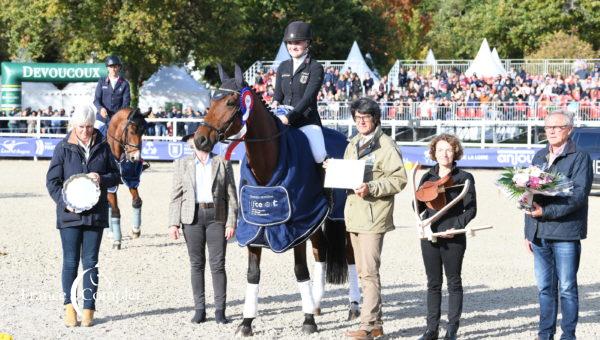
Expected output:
{"points": [[205, 231], [449, 254]]}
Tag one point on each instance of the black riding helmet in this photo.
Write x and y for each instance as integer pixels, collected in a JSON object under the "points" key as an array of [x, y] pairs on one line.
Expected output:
{"points": [[367, 106], [297, 31], [113, 60]]}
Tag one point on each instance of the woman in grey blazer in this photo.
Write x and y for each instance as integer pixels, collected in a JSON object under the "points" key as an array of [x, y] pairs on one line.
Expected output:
{"points": [[204, 203]]}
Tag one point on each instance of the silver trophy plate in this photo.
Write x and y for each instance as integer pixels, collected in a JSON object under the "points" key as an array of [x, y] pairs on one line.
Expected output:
{"points": [[80, 193]]}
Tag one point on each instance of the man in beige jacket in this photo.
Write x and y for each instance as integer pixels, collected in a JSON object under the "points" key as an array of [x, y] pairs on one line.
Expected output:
{"points": [[369, 208]]}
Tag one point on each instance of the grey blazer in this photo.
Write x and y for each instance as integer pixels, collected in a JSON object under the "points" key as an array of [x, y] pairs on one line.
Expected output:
{"points": [[183, 197]]}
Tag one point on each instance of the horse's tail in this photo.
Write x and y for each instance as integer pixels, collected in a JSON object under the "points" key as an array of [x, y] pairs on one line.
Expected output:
{"points": [[337, 267]]}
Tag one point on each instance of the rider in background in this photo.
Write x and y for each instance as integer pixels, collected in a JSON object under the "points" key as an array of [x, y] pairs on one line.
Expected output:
{"points": [[112, 94], [297, 85]]}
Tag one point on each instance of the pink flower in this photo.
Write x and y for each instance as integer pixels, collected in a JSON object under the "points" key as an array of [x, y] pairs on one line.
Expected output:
{"points": [[534, 182]]}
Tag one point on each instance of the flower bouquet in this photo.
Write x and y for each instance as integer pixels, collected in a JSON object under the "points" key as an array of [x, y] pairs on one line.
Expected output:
{"points": [[525, 182]]}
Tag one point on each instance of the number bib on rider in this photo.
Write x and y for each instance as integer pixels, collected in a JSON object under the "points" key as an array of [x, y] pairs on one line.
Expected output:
{"points": [[265, 206]]}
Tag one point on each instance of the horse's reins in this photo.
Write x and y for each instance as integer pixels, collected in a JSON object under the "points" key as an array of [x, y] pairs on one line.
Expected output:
{"points": [[238, 111]]}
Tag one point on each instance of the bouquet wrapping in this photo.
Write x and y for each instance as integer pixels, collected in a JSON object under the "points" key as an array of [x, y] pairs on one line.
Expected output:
{"points": [[526, 182]]}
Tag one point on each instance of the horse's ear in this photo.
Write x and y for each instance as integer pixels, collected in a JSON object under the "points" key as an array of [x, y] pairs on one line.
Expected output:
{"points": [[222, 73], [239, 76]]}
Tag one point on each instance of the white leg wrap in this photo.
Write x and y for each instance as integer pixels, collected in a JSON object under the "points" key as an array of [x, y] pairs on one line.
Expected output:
{"points": [[308, 305], [354, 289], [318, 287], [251, 300]]}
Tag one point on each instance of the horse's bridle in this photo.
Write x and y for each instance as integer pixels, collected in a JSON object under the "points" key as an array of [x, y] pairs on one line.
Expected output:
{"points": [[124, 140], [228, 123], [237, 113]]}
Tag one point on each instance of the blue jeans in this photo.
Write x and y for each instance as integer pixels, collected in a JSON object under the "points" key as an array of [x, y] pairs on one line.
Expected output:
{"points": [[81, 242], [556, 264]]}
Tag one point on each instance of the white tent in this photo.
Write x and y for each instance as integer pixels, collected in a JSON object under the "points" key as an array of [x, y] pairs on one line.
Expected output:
{"points": [[430, 59], [173, 84], [356, 62], [40, 96], [496, 57], [484, 65], [282, 55], [78, 95]]}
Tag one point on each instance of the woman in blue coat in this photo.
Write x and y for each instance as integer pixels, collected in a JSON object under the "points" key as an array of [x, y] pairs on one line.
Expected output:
{"points": [[82, 151]]}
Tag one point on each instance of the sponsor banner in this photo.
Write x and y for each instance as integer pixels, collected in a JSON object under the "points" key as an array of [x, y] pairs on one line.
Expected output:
{"points": [[166, 150], [151, 150], [475, 157]]}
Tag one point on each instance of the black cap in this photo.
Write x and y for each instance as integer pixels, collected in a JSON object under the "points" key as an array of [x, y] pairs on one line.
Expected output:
{"points": [[113, 60], [297, 31]]}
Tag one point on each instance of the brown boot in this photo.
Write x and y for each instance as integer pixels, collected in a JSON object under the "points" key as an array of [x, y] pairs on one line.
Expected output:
{"points": [[359, 334], [88, 318], [70, 316]]}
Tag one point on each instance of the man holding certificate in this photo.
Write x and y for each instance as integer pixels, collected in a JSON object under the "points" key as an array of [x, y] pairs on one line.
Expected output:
{"points": [[369, 207]]}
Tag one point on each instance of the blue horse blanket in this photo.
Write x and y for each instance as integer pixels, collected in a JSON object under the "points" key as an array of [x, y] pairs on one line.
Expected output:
{"points": [[286, 211], [335, 144]]}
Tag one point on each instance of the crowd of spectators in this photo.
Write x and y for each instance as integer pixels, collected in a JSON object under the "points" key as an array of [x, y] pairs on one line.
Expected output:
{"points": [[448, 93], [60, 125]]}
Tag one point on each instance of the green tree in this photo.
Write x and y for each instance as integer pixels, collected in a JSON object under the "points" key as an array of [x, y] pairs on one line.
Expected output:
{"points": [[560, 45]]}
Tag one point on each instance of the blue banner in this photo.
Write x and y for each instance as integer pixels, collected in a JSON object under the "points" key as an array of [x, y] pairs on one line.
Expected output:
{"points": [[166, 151]]}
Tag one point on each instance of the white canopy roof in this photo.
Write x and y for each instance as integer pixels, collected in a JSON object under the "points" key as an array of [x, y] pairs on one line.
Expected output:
{"points": [[484, 64], [430, 59], [497, 57], [356, 62], [173, 84], [282, 55], [40, 96]]}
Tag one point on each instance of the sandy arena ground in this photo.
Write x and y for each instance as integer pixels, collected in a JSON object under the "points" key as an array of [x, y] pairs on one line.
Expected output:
{"points": [[145, 290]]}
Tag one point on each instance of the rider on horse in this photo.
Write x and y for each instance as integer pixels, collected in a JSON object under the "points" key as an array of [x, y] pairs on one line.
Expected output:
{"points": [[298, 83], [112, 94]]}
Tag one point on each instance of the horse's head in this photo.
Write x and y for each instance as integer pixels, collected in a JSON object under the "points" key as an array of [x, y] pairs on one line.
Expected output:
{"points": [[126, 129], [224, 116]]}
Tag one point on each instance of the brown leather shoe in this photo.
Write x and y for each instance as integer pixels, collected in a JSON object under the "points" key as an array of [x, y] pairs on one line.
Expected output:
{"points": [[70, 316], [377, 332], [359, 334]]}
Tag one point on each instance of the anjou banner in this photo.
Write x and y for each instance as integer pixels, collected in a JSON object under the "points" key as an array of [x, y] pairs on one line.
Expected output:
{"points": [[13, 74]]}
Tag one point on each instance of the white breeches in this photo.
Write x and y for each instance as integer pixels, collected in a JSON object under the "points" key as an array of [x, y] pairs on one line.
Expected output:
{"points": [[316, 142]]}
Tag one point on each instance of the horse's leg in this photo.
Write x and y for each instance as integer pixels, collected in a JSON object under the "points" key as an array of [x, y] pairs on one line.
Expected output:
{"points": [[303, 278], [353, 289], [115, 219], [251, 299], [136, 203], [319, 250]]}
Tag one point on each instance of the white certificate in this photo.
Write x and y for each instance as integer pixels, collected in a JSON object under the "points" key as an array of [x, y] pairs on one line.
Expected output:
{"points": [[344, 173]]}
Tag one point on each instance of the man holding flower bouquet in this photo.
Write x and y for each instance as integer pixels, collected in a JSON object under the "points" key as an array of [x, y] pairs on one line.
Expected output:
{"points": [[556, 224]]}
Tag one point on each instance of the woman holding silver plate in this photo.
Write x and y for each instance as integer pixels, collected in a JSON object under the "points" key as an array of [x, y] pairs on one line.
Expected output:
{"points": [[81, 170]]}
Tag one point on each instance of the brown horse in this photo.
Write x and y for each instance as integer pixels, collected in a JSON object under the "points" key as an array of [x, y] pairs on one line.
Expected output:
{"points": [[223, 120], [124, 137]]}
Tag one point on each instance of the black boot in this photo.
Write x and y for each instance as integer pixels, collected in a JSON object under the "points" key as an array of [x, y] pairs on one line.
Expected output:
{"points": [[451, 333], [430, 335], [199, 316], [220, 316]]}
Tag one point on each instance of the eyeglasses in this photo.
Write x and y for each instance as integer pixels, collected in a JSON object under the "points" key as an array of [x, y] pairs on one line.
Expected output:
{"points": [[556, 128], [362, 118]]}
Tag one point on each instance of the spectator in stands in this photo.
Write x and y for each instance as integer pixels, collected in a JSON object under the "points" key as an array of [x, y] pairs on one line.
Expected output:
{"points": [[355, 86], [368, 83], [150, 129], [160, 127]]}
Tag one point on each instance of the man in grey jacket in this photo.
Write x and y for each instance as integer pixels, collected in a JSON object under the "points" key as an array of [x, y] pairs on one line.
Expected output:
{"points": [[555, 226]]}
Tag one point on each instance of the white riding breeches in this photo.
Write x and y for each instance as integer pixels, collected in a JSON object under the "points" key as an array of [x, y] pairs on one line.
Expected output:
{"points": [[316, 142]]}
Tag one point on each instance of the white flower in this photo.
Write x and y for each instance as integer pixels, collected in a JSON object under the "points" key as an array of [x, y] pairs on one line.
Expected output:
{"points": [[520, 179], [535, 171]]}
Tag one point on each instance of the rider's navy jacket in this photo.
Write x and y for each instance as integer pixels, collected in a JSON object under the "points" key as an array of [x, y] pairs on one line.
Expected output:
{"points": [[299, 89], [69, 159], [112, 99]]}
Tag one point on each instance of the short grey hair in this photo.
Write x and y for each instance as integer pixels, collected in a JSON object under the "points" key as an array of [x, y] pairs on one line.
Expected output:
{"points": [[568, 116], [83, 115]]}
